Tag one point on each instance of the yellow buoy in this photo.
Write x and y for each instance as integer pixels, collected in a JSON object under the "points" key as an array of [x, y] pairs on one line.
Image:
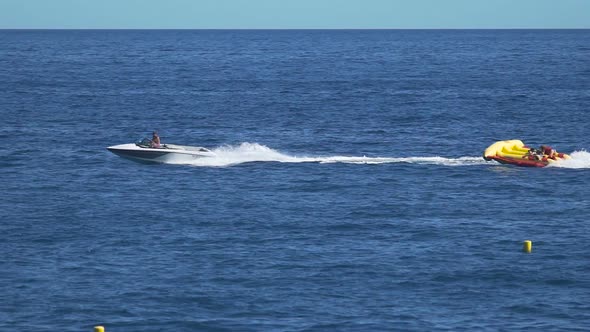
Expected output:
{"points": [[98, 329], [528, 246]]}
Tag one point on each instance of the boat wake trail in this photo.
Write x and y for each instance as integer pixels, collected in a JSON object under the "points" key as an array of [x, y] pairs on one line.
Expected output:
{"points": [[253, 152], [580, 159]]}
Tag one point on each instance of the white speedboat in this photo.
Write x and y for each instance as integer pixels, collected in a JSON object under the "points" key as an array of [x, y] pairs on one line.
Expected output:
{"points": [[166, 153]]}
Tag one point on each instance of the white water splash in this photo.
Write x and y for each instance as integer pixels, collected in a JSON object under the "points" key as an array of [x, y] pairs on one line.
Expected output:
{"points": [[253, 152], [580, 159]]}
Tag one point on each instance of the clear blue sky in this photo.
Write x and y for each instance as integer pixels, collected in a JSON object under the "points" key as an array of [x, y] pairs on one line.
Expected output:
{"points": [[290, 14]]}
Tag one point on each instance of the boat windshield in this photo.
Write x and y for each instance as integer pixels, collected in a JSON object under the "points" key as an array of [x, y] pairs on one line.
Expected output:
{"points": [[144, 143]]}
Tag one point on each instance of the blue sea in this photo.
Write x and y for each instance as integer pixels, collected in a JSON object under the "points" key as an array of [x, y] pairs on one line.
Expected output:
{"points": [[348, 193]]}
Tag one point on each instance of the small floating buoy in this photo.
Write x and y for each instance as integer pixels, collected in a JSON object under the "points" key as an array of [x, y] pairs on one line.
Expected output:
{"points": [[528, 246], [98, 329]]}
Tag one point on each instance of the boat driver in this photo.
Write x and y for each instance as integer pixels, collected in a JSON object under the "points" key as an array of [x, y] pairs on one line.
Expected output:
{"points": [[155, 140]]}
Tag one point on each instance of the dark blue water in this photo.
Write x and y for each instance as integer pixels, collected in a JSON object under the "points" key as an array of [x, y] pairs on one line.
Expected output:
{"points": [[348, 195]]}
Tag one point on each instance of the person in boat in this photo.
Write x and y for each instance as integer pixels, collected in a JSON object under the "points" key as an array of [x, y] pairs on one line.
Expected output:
{"points": [[534, 154], [550, 152], [155, 140]]}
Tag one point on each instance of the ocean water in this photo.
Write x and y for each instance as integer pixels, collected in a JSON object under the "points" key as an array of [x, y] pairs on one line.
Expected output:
{"points": [[348, 194]]}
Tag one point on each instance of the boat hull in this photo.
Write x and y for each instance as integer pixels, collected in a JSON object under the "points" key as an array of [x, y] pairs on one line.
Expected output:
{"points": [[170, 154], [519, 162]]}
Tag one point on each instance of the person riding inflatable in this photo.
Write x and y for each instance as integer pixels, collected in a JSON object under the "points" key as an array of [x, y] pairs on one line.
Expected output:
{"points": [[548, 151]]}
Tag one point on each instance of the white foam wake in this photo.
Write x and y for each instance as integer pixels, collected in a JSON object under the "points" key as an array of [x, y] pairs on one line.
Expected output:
{"points": [[253, 152], [580, 159]]}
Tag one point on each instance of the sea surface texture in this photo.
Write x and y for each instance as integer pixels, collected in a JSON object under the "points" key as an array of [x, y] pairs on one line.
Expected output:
{"points": [[348, 192]]}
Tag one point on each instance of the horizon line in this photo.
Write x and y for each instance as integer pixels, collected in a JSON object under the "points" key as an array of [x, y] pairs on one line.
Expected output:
{"points": [[279, 29]]}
